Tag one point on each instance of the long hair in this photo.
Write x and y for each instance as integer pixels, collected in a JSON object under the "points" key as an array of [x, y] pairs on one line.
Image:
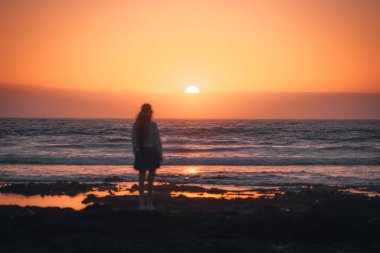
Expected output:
{"points": [[142, 124]]}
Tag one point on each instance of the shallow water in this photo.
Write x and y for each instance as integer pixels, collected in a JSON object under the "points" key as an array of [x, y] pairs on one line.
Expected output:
{"points": [[126, 189], [62, 201], [248, 176], [129, 189]]}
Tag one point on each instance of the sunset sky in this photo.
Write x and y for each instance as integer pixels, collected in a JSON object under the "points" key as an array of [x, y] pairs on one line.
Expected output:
{"points": [[218, 45]]}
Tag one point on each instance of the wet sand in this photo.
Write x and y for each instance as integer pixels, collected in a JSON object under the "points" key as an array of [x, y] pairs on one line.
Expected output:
{"points": [[311, 218]]}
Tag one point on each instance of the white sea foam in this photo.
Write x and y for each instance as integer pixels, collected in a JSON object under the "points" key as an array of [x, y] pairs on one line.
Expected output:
{"points": [[248, 176]]}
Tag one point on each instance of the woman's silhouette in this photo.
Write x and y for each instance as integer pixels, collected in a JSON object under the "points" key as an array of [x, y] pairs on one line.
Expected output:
{"points": [[148, 152]]}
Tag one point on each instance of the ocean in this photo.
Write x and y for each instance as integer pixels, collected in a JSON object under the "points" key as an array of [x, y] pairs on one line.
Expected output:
{"points": [[218, 151]]}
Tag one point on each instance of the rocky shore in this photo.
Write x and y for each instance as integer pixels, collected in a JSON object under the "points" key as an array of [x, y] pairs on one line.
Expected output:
{"points": [[303, 219]]}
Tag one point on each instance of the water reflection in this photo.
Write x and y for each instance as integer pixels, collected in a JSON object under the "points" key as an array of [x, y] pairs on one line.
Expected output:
{"points": [[173, 190], [227, 195], [62, 201], [362, 192], [191, 170], [65, 201]]}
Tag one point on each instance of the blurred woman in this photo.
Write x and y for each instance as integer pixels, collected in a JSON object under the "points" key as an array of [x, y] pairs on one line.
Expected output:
{"points": [[147, 149]]}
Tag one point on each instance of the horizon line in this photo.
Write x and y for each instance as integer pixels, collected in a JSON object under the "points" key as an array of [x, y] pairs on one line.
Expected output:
{"points": [[182, 92], [120, 118]]}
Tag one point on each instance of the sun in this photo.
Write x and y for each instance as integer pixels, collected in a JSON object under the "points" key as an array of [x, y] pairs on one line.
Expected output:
{"points": [[192, 89]]}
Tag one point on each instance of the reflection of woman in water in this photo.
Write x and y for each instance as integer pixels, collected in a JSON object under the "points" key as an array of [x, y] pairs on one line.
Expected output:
{"points": [[148, 152]]}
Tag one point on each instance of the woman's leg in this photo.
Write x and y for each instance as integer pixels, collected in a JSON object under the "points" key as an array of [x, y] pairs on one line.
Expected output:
{"points": [[151, 176], [141, 189]]}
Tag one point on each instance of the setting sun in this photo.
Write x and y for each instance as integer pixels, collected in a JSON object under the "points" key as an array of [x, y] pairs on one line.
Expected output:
{"points": [[192, 89]]}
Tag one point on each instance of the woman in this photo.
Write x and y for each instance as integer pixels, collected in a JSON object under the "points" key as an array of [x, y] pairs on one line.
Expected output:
{"points": [[148, 152]]}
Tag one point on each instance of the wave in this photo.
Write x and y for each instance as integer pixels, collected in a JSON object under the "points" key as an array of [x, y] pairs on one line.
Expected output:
{"points": [[246, 176], [237, 161], [193, 142], [204, 150]]}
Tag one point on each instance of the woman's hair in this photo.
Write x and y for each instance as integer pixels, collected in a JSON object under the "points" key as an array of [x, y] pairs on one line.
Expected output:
{"points": [[142, 124]]}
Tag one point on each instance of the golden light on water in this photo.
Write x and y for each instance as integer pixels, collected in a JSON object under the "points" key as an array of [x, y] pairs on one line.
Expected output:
{"points": [[227, 195], [191, 170], [62, 201]]}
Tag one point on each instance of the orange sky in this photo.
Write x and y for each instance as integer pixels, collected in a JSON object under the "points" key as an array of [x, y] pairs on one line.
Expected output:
{"points": [[43, 102], [220, 45]]}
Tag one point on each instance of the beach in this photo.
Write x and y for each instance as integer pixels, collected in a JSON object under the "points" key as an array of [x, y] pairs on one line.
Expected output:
{"points": [[67, 185], [308, 218], [190, 126]]}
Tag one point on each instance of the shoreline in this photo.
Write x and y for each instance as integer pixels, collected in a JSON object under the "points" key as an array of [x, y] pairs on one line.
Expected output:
{"points": [[79, 195], [314, 218], [354, 176]]}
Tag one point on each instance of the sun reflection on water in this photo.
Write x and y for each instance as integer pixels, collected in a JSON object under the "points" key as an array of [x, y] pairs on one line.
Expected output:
{"points": [[191, 170]]}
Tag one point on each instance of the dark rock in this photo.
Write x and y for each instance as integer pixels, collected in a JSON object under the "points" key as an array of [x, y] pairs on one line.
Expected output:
{"points": [[337, 223], [98, 208], [113, 179]]}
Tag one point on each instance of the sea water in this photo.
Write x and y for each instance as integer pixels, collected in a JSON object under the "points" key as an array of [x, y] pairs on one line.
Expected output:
{"points": [[230, 152]]}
